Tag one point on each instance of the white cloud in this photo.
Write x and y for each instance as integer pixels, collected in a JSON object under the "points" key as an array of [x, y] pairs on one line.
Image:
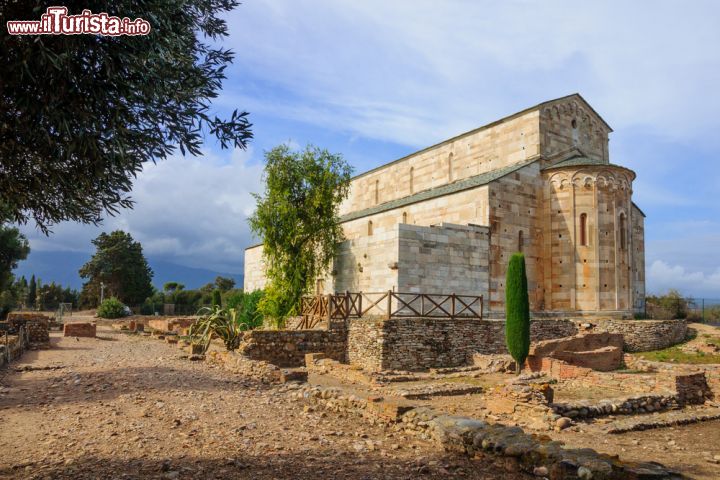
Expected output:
{"points": [[190, 210], [417, 71], [662, 276]]}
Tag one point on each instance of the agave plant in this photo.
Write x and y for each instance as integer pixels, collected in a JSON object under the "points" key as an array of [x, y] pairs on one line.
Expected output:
{"points": [[223, 323]]}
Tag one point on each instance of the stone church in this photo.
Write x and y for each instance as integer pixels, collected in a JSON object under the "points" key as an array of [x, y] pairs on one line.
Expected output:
{"points": [[447, 218]]}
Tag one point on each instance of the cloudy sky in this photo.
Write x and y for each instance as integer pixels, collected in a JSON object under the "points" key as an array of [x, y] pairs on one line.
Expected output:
{"points": [[376, 80]]}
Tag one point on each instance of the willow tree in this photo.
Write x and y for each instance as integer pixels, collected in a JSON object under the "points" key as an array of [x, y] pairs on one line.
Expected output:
{"points": [[517, 311], [297, 218]]}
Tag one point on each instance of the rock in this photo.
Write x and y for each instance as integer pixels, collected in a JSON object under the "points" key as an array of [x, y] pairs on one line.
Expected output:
{"points": [[584, 473], [563, 422], [540, 471]]}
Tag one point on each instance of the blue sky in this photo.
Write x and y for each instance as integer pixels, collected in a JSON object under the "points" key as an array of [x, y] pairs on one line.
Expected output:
{"points": [[376, 80]]}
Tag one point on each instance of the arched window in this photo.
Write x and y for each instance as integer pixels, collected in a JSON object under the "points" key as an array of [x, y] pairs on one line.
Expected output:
{"points": [[521, 241], [370, 227], [412, 178], [583, 229], [404, 217], [623, 234], [377, 191], [450, 167]]}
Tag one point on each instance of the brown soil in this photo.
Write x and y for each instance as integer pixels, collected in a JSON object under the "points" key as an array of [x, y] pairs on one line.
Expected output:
{"points": [[125, 406], [688, 449]]}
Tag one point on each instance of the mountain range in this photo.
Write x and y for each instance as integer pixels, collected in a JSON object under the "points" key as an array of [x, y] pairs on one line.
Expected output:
{"points": [[62, 267]]}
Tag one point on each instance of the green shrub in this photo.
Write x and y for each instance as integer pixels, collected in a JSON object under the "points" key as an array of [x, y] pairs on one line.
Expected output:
{"points": [[216, 298], [250, 315], [111, 308], [223, 323], [517, 311], [234, 299]]}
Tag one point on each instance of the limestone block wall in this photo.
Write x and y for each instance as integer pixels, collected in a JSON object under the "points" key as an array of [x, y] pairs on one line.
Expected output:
{"points": [[497, 145], [638, 259], [445, 259], [573, 124], [254, 278], [515, 207], [588, 240], [363, 264], [468, 206]]}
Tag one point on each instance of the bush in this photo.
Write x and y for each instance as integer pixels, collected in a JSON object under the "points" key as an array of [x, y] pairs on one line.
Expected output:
{"points": [[111, 308], [217, 322], [216, 298], [250, 316], [517, 311], [234, 299]]}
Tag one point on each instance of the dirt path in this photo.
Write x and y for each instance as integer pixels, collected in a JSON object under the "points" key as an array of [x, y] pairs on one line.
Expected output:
{"points": [[122, 406]]}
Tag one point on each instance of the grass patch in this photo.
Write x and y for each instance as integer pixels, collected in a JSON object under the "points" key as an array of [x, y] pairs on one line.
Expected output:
{"points": [[676, 355]]}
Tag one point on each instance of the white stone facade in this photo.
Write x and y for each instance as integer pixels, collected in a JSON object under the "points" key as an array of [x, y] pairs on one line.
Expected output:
{"points": [[446, 219]]}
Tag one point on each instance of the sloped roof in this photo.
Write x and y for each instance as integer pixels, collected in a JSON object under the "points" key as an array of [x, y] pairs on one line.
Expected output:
{"points": [[450, 188], [577, 161], [489, 125], [582, 161]]}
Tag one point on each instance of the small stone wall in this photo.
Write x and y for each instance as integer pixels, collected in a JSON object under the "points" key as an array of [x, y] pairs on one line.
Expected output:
{"points": [[421, 343], [690, 389], [597, 351], [36, 324], [509, 447], [644, 335], [287, 348], [83, 329], [171, 324]]}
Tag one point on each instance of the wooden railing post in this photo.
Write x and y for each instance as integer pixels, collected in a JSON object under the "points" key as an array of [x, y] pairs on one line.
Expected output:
{"points": [[347, 304], [452, 306], [389, 304]]}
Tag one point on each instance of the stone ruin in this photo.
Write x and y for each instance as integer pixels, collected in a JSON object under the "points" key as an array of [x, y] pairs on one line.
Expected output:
{"points": [[37, 325], [80, 329], [577, 355]]}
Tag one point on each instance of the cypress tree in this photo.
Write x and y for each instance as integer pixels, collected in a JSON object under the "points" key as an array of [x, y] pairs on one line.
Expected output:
{"points": [[216, 298], [32, 291], [517, 311]]}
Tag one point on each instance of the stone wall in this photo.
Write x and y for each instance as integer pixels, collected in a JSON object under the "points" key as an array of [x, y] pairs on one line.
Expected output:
{"points": [[365, 343], [37, 325], [421, 343], [645, 335], [444, 259], [507, 446], [254, 278], [287, 348], [80, 329], [485, 149], [171, 324]]}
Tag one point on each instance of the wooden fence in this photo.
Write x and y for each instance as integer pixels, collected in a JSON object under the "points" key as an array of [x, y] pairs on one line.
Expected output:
{"points": [[390, 304]]}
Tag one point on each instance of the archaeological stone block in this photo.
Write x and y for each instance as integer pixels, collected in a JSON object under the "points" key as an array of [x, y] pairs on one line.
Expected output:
{"points": [[80, 329]]}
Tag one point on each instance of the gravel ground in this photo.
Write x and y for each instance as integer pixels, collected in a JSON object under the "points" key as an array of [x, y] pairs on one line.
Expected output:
{"points": [[122, 406]]}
